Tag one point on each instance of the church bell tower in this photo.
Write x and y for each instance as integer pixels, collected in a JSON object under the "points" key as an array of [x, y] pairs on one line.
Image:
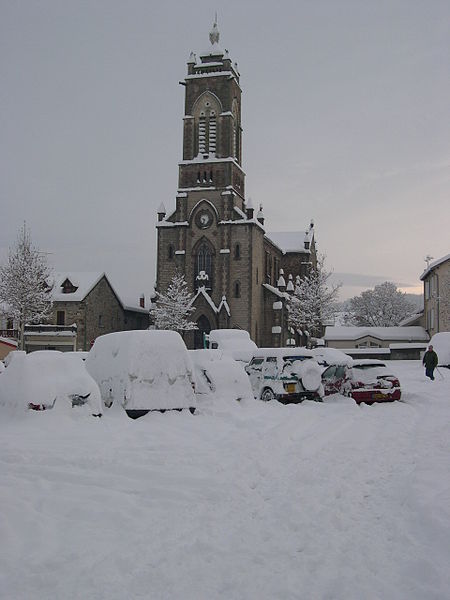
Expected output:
{"points": [[212, 134], [213, 237]]}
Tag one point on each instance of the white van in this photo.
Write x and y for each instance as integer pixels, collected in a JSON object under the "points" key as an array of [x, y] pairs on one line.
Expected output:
{"points": [[236, 343], [142, 371], [288, 375]]}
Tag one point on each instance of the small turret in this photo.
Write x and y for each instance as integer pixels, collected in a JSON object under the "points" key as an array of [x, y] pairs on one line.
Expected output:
{"points": [[290, 285], [161, 212], [281, 284], [260, 215]]}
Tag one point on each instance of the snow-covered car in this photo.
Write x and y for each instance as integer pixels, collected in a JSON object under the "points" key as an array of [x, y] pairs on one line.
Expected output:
{"points": [[330, 356], [288, 375], [366, 380], [43, 378], [219, 375], [143, 371], [236, 343]]}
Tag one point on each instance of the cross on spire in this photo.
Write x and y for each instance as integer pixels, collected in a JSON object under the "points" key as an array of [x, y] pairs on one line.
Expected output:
{"points": [[214, 33]]}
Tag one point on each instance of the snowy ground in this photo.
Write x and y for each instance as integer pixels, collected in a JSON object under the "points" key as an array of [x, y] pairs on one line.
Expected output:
{"points": [[242, 501]]}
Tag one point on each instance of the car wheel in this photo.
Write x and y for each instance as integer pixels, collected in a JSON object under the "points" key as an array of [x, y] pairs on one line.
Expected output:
{"points": [[267, 395]]}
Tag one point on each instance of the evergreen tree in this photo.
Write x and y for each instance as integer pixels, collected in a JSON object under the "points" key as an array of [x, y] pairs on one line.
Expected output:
{"points": [[384, 306], [173, 308], [24, 280], [312, 301]]}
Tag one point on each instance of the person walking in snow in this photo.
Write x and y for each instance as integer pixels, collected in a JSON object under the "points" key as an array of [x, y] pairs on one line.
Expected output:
{"points": [[430, 362]]}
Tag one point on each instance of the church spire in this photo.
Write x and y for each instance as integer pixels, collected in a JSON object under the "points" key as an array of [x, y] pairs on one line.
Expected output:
{"points": [[214, 33]]}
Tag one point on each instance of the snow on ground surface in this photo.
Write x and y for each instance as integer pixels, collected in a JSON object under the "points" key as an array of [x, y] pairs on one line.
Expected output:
{"points": [[250, 500]]}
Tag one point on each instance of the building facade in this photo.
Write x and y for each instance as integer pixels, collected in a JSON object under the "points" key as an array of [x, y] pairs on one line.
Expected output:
{"points": [[84, 306], [436, 295], [240, 275]]}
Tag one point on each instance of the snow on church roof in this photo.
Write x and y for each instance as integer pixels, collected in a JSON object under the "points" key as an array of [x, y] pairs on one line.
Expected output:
{"points": [[290, 241]]}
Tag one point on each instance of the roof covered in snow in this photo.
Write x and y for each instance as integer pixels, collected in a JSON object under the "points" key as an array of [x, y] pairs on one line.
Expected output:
{"points": [[74, 286], [433, 265], [416, 334], [82, 284]]}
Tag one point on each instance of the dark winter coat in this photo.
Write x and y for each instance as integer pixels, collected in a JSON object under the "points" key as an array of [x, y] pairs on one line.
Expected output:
{"points": [[430, 359]]}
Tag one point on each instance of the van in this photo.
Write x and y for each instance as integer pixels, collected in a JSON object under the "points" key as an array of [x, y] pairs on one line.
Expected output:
{"points": [[289, 375], [143, 371], [236, 343]]}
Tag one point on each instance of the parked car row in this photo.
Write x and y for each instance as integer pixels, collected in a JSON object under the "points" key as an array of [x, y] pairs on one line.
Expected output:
{"points": [[147, 370]]}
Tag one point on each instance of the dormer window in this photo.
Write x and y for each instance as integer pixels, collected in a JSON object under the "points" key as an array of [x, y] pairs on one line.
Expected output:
{"points": [[68, 287]]}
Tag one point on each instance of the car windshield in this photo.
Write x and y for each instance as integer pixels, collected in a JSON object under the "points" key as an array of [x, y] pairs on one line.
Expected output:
{"points": [[292, 364], [291, 359], [370, 373]]}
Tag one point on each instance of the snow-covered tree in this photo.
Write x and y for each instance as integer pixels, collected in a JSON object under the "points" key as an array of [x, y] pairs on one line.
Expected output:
{"points": [[24, 283], [313, 301], [384, 306], [173, 308]]}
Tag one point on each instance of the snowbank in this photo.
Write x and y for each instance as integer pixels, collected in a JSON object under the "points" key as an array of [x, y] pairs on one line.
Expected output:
{"points": [[143, 370], [441, 345], [249, 500]]}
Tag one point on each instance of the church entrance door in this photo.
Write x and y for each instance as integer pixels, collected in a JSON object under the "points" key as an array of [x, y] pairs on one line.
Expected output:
{"points": [[203, 327]]}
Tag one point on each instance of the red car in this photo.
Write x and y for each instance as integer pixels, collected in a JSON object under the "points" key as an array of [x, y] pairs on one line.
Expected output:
{"points": [[364, 380]]}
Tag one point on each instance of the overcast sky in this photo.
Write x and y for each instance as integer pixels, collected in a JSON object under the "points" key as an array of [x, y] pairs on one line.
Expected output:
{"points": [[345, 110]]}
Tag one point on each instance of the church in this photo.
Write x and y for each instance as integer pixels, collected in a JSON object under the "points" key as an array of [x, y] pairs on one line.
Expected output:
{"points": [[239, 274]]}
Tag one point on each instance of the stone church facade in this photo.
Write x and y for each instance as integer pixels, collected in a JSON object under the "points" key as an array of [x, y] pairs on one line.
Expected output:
{"points": [[240, 275]]}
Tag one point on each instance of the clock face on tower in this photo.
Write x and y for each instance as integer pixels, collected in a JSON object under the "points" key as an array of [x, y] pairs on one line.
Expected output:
{"points": [[204, 219]]}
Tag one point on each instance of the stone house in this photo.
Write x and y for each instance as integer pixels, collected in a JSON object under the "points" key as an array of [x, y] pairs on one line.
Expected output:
{"points": [[239, 274], [436, 295], [85, 305]]}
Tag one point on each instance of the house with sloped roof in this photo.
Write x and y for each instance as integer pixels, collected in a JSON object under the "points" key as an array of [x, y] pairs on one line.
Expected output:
{"points": [[85, 305], [378, 342], [436, 295]]}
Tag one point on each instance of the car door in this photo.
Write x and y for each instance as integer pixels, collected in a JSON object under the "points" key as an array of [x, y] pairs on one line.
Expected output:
{"points": [[255, 372], [331, 384]]}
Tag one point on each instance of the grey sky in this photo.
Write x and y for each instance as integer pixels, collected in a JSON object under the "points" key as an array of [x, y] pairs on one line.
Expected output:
{"points": [[345, 114]]}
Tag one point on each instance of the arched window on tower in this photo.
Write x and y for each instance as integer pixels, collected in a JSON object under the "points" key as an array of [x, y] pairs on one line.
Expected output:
{"points": [[204, 267], [207, 126], [237, 289], [237, 251]]}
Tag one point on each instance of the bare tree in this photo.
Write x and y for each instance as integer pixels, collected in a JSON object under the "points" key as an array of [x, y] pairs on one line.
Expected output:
{"points": [[384, 306], [173, 308], [313, 301], [24, 283]]}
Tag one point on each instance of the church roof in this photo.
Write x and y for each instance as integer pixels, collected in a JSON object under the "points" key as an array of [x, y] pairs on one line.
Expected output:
{"points": [[289, 241]]}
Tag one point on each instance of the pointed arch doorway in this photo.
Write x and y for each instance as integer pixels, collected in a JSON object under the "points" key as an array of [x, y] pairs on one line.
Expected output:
{"points": [[204, 326]]}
